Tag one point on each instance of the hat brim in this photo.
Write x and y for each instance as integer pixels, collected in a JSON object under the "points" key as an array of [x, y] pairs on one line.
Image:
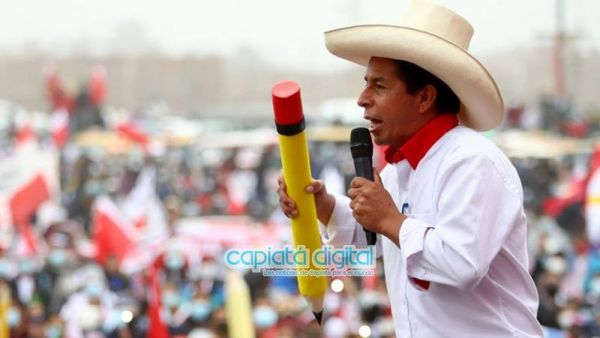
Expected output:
{"points": [[482, 107]]}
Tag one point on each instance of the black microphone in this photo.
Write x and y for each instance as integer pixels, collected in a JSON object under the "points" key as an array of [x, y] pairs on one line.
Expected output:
{"points": [[361, 148]]}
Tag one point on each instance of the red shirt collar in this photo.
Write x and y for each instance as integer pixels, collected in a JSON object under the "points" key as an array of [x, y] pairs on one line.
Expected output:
{"points": [[419, 144]]}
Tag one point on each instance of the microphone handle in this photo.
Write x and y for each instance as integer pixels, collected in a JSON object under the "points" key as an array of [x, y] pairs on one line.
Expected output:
{"points": [[364, 168]]}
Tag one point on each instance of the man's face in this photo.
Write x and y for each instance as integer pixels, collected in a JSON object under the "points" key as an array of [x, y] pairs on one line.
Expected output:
{"points": [[393, 112]]}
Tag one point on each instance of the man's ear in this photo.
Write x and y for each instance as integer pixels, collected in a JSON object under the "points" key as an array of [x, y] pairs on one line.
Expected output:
{"points": [[427, 97]]}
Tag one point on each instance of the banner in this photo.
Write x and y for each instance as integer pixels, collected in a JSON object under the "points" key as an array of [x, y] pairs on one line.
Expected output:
{"points": [[28, 177]]}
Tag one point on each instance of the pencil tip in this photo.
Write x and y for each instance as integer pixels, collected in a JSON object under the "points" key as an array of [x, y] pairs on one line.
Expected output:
{"points": [[318, 316]]}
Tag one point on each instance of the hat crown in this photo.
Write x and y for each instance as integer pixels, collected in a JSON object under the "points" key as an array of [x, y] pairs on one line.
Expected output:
{"points": [[437, 40], [432, 18]]}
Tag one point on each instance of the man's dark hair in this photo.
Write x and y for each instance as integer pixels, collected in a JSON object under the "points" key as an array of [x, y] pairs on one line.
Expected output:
{"points": [[416, 78]]}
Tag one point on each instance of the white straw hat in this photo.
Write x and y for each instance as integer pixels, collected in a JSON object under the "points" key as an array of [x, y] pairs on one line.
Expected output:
{"points": [[436, 39]]}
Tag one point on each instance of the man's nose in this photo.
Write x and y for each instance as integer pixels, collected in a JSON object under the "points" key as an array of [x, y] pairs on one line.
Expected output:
{"points": [[363, 99]]}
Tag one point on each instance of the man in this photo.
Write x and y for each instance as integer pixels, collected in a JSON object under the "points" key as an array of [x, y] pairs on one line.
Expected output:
{"points": [[448, 208]]}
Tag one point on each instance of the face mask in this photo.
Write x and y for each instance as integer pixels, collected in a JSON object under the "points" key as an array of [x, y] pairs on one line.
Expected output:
{"points": [[170, 299], [264, 317], [94, 289], [556, 265], [53, 332], [595, 287], [200, 310], [14, 317], [5, 268], [27, 267], [174, 261], [208, 270], [566, 318], [93, 188], [116, 318], [553, 245], [57, 257], [190, 209]]}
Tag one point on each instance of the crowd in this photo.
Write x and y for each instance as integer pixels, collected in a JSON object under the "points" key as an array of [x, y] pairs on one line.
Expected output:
{"points": [[61, 289]]}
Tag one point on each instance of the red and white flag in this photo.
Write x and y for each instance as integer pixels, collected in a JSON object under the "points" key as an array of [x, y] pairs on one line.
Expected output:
{"points": [[112, 233], [27, 178], [144, 211], [59, 127], [24, 133], [97, 87], [28, 197], [27, 244], [131, 131], [143, 208]]}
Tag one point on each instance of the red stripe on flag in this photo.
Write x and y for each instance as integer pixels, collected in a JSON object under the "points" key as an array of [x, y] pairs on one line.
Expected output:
{"points": [[60, 127], [109, 237], [60, 136], [24, 134], [131, 131], [29, 240], [26, 201], [140, 223]]}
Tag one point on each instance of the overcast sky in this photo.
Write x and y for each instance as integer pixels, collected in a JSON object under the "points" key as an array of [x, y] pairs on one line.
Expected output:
{"points": [[287, 33]]}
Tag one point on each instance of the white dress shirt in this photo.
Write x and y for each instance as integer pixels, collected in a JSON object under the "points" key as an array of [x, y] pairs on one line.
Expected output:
{"points": [[465, 235]]}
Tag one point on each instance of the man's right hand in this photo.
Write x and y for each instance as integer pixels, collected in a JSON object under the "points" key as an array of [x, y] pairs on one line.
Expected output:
{"points": [[324, 201]]}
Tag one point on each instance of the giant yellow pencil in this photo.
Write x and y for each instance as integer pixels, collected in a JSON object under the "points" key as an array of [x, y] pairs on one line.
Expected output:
{"points": [[238, 307], [289, 120], [4, 308]]}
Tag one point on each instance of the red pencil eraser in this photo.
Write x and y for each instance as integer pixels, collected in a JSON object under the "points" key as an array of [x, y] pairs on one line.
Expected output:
{"points": [[287, 104]]}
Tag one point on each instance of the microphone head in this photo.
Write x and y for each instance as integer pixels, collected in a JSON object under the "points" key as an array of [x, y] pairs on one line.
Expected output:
{"points": [[360, 143]]}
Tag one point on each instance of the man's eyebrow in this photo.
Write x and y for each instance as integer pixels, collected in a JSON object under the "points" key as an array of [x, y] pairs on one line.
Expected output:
{"points": [[373, 79]]}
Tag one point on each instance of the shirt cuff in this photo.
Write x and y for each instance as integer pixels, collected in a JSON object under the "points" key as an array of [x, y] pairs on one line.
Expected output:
{"points": [[412, 237], [341, 218]]}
